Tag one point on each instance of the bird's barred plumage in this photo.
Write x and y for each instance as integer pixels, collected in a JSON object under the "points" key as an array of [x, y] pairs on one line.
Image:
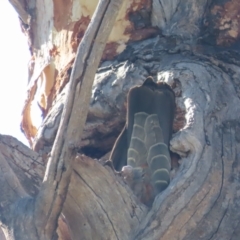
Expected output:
{"points": [[143, 143]]}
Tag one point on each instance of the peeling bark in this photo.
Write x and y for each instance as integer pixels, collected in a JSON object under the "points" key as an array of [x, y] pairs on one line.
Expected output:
{"points": [[64, 24], [196, 51], [37, 218], [203, 193]]}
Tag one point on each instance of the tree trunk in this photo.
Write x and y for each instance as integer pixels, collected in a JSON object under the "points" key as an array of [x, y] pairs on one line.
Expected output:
{"points": [[193, 45]]}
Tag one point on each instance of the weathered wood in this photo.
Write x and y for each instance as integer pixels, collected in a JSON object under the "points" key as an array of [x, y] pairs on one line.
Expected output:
{"points": [[205, 189], [20, 169], [52, 194], [106, 207], [55, 31], [202, 198], [197, 52], [93, 187]]}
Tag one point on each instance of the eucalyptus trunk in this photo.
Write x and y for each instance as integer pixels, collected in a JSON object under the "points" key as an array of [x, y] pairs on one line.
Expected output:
{"points": [[193, 45]]}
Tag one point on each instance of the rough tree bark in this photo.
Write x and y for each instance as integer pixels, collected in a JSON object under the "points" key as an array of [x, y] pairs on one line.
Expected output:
{"points": [[42, 211], [194, 46]]}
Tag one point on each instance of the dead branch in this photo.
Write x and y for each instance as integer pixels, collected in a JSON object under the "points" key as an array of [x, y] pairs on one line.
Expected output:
{"points": [[58, 172]]}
